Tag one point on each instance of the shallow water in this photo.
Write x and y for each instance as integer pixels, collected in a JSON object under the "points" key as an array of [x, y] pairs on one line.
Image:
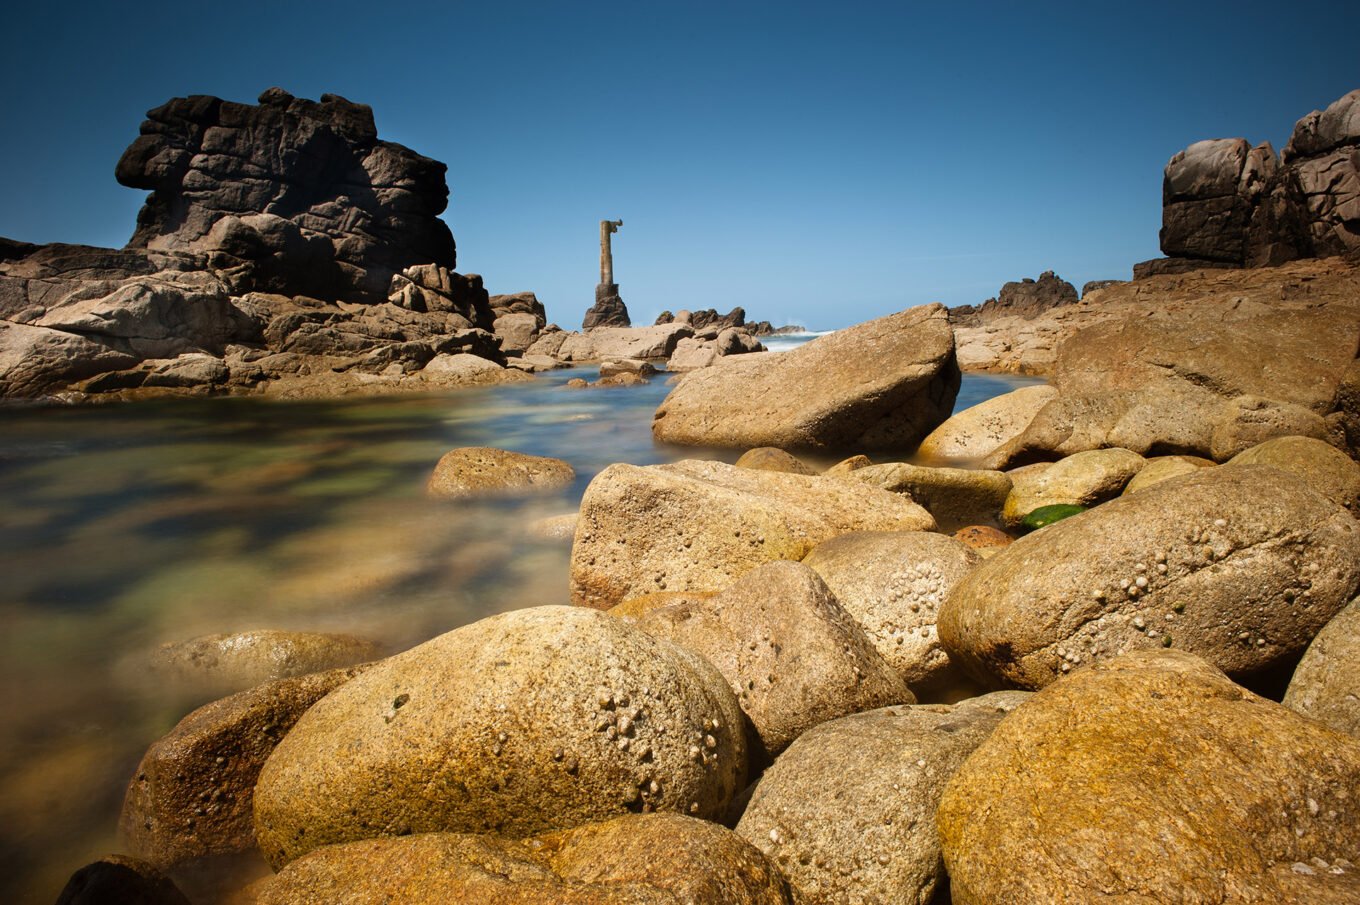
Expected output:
{"points": [[126, 526]]}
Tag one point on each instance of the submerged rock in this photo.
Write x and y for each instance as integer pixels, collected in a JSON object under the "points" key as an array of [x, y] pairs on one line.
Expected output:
{"points": [[793, 656], [535, 720], [1154, 778], [647, 858], [122, 880], [479, 471], [879, 385], [848, 811], [231, 661], [1241, 566], [697, 525]]}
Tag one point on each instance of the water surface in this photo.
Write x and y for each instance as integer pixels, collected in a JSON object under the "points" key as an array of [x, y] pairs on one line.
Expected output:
{"points": [[126, 526]]}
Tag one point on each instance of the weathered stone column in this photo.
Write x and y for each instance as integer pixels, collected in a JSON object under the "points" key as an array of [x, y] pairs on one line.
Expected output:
{"points": [[608, 310]]}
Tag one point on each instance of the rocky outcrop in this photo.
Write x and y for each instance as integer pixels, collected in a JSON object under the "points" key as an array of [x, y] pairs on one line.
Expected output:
{"points": [[698, 526], [705, 318], [1227, 203], [1241, 566], [608, 310], [291, 196], [710, 345], [1026, 299], [535, 720], [1208, 365], [518, 319], [1153, 778], [612, 343], [884, 384], [283, 249], [644, 858]]}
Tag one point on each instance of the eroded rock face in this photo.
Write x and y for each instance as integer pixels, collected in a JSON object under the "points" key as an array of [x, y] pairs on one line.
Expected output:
{"points": [[1227, 203], [1155, 776], [893, 583], [847, 812], [697, 525], [1241, 566], [884, 384], [1326, 683], [635, 860], [292, 195], [531, 721], [192, 793], [792, 654]]}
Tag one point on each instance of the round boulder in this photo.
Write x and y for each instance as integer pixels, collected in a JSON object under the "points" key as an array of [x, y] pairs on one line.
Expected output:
{"points": [[848, 811], [1326, 683], [1241, 565], [1159, 468], [530, 721], [771, 458], [1083, 479], [477, 471], [1325, 468], [893, 583], [1153, 778], [634, 860], [792, 654], [975, 433]]}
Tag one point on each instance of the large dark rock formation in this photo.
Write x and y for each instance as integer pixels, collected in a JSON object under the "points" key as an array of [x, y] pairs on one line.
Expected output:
{"points": [[608, 310], [290, 196], [1228, 204], [1027, 298], [283, 248]]}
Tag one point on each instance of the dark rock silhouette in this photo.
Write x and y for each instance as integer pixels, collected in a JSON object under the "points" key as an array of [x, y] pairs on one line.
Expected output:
{"points": [[1026, 298]]}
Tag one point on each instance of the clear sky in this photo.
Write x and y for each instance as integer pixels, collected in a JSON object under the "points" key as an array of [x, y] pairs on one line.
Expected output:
{"points": [[822, 163]]}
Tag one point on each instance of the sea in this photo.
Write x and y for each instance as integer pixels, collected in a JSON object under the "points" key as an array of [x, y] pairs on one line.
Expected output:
{"points": [[127, 526]]}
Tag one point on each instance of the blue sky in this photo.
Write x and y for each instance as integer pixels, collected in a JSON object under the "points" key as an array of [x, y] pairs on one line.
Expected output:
{"points": [[817, 163]]}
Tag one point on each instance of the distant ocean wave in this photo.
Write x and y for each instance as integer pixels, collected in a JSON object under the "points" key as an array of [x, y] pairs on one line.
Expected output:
{"points": [[787, 341]]}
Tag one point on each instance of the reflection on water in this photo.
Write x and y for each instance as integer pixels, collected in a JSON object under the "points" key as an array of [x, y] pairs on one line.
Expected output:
{"points": [[124, 527]]}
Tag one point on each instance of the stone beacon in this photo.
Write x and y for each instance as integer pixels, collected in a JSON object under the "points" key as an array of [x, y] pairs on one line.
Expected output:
{"points": [[608, 310]]}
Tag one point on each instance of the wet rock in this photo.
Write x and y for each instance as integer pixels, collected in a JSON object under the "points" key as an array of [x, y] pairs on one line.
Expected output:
{"points": [[1241, 566], [479, 471], [1154, 778], [1326, 683], [792, 655], [1159, 468], [893, 583], [768, 458], [880, 385], [983, 539], [974, 433], [848, 811], [231, 661], [191, 795], [1322, 466], [954, 496], [697, 525], [530, 721], [122, 880], [1083, 479], [555, 527], [635, 859]]}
